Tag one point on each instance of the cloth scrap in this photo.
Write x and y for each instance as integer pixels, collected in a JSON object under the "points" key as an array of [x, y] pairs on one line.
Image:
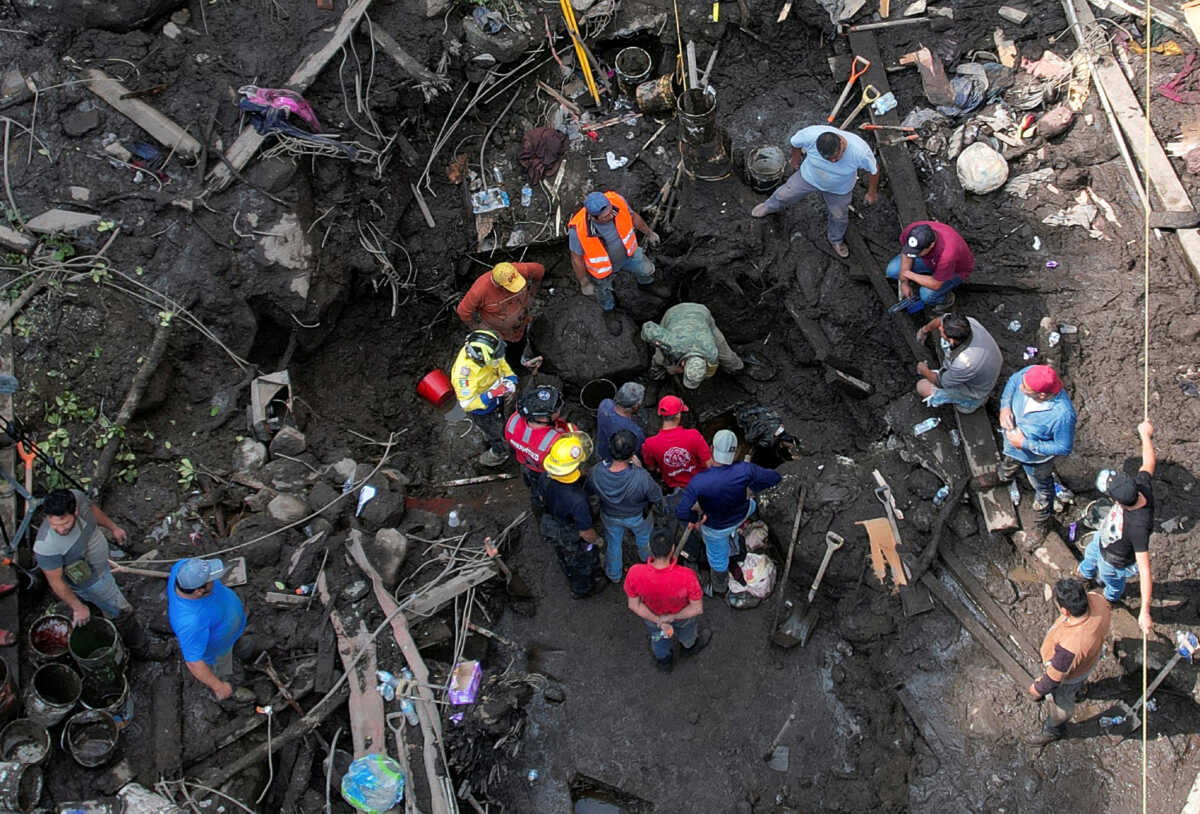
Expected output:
{"points": [[541, 150]]}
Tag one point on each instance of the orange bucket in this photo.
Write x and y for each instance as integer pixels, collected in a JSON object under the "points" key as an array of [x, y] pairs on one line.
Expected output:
{"points": [[435, 387]]}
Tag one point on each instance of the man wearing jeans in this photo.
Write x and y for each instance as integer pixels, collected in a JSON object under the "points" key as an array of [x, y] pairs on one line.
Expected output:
{"points": [[1120, 549], [602, 240], [971, 362], [207, 618], [1038, 420], [1070, 651], [627, 495], [722, 496], [668, 598], [933, 261], [832, 159]]}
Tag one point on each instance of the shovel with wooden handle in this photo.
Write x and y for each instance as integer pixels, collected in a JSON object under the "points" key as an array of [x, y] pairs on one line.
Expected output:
{"points": [[787, 568]]}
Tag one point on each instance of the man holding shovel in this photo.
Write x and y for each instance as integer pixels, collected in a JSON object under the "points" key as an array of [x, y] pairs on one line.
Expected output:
{"points": [[667, 596]]}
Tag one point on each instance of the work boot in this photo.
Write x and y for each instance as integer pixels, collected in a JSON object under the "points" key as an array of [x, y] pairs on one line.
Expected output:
{"points": [[1049, 734], [613, 322], [140, 645], [1037, 535], [720, 583], [493, 458], [665, 665], [703, 637], [944, 305], [841, 249]]}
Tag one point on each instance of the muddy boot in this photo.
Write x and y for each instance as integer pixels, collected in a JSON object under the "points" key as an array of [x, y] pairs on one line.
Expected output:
{"points": [[665, 665], [1041, 526], [140, 645], [945, 305], [1049, 734], [493, 458], [720, 583]]}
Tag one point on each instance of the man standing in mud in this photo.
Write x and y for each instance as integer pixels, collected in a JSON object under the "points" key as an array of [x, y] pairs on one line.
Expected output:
{"points": [[501, 300], [602, 239], [831, 161], [667, 597]]}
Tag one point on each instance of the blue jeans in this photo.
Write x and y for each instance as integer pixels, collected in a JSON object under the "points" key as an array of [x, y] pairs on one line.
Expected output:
{"points": [[718, 543], [1112, 578], [685, 631], [949, 395], [642, 268], [796, 189], [105, 595], [929, 296], [614, 533], [1041, 477]]}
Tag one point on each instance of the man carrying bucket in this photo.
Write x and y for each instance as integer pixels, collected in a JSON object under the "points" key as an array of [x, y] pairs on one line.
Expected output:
{"points": [[207, 618]]}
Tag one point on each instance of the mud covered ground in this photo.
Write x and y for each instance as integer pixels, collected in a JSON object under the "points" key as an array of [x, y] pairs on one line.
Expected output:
{"points": [[294, 287]]}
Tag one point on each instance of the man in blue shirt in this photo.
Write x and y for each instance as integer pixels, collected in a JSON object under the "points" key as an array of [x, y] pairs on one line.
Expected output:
{"points": [[618, 413], [721, 493], [832, 159], [1038, 420], [207, 619]]}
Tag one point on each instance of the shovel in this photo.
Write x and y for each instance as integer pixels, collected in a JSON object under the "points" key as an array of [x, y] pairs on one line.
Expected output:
{"points": [[787, 569], [798, 629], [1186, 645]]}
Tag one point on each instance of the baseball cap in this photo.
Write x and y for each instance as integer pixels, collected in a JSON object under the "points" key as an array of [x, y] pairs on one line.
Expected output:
{"points": [[595, 203], [630, 394], [919, 239], [507, 277], [1117, 485], [196, 572], [724, 446], [1042, 379], [694, 371], [671, 405]]}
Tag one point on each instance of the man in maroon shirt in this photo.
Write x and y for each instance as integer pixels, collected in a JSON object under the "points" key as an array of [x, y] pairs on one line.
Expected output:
{"points": [[933, 261], [676, 451], [501, 300], [667, 597]]}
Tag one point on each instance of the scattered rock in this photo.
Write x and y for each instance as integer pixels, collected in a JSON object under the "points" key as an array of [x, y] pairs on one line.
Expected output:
{"points": [[963, 522], [249, 456], [78, 122], [1055, 122], [119, 16], [391, 552], [287, 508], [355, 590], [60, 220], [258, 501], [923, 484], [80, 193], [322, 495], [288, 475], [288, 441], [1073, 178], [342, 471], [921, 517], [171, 31], [385, 510]]}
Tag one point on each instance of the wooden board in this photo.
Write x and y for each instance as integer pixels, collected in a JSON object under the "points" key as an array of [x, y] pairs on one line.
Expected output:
{"points": [[164, 131], [366, 704], [978, 632], [167, 722], [996, 615]]}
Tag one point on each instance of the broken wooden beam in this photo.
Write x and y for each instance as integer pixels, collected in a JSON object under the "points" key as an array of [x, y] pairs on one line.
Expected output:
{"points": [[161, 128], [424, 603], [243, 149], [995, 614], [978, 632], [357, 649], [406, 62]]}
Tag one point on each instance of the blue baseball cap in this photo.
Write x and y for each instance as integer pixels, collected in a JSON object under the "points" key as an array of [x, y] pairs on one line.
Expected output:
{"points": [[595, 203], [196, 573]]}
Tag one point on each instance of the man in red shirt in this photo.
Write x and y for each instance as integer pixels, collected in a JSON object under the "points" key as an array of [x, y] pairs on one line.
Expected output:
{"points": [[933, 261], [501, 300], [667, 597], [677, 452]]}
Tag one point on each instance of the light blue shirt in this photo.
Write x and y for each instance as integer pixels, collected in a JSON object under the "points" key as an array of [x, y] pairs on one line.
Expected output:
{"points": [[206, 627], [838, 176]]}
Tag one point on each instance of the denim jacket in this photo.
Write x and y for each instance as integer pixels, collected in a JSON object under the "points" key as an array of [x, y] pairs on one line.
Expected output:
{"points": [[1048, 426]]}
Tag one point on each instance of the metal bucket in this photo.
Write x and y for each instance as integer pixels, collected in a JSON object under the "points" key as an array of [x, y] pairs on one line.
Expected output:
{"points": [[48, 637], [765, 167], [656, 96], [707, 162], [596, 391], [98, 651], [20, 786], [93, 807], [90, 737], [697, 115], [52, 693], [24, 741], [632, 65], [116, 702]]}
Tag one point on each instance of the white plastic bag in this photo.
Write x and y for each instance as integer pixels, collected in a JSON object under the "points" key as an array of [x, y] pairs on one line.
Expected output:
{"points": [[755, 535], [758, 571], [981, 169]]}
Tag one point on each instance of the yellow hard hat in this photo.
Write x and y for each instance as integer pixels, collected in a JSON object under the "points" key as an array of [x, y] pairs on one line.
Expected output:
{"points": [[484, 346], [567, 455], [507, 277]]}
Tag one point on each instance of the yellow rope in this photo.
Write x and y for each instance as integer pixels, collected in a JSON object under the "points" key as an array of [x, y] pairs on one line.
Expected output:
{"points": [[1146, 365]]}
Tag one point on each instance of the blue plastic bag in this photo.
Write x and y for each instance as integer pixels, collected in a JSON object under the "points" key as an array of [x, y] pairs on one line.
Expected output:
{"points": [[373, 784]]}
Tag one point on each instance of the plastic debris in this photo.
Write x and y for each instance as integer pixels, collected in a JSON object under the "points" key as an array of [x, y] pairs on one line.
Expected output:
{"points": [[1065, 328], [1030, 352], [941, 496], [1051, 264], [1037, 243], [1015, 325], [374, 784], [1054, 338], [926, 425], [365, 496], [532, 776], [615, 162], [464, 682], [281, 99], [1014, 493], [488, 200], [955, 438], [981, 169]]}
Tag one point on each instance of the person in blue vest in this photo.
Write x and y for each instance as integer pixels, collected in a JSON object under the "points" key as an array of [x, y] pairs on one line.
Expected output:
{"points": [[207, 618]]}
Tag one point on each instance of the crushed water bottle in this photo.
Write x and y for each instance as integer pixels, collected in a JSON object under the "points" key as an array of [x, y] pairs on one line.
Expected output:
{"points": [[1014, 493], [1151, 705], [926, 425], [956, 438], [1115, 720], [388, 684], [526, 195], [454, 519], [410, 712], [532, 776], [941, 495]]}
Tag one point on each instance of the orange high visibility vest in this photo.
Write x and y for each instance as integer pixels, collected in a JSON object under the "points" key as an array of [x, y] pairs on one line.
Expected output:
{"points": [[595, 255]]}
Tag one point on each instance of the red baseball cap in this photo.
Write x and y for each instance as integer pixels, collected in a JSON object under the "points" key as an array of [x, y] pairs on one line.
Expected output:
{"points": [[1042, 379], [671, 405]]}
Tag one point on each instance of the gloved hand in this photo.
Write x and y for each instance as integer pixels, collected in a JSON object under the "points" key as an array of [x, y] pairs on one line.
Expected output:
{"points": [[502, 388], [653, 239]]}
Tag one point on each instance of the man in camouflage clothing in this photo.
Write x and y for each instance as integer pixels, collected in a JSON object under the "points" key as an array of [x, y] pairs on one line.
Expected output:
{"points": [[688, 342]]}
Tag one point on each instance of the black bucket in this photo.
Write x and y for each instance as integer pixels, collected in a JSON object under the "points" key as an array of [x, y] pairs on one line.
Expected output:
{"points": [[116, 701], [90, 737], [24, 741], [712, 161], [657, 96], [596, 391], [98, 651], [20, 786], [53, 692], [697, 115], [632, 65], [765, 167]]}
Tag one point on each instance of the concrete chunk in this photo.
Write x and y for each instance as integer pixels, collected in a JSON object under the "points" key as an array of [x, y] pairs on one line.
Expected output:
{"points": [[61, 220], [1013, 15], [16, 240]]}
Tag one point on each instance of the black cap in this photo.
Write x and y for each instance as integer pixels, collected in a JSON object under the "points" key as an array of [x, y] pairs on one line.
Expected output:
{"points": [[1122, 489], [919, 239]]}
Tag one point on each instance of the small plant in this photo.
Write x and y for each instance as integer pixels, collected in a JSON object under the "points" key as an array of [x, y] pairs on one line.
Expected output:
{"points": [[106, 226], [187, 474], [100, 273], [165, 317], [94, 353], [126, 466], [61, 249]]}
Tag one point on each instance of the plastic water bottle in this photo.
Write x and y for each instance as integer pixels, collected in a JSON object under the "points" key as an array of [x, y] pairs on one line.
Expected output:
{"points": [[454, 519], [388, 684], [926, 425], [1151, 705], [662, 633], [532, 776], [1014, 493], [956, 438], [1115, 720], [941, 495], [410, 711], [526, 195]]}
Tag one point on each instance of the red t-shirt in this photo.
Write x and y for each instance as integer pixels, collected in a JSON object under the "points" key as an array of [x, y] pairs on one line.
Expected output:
{"points": [[950, 255], [663, 590], [678, 453]]}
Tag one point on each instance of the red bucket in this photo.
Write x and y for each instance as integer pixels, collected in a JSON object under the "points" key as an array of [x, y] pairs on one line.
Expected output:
{"points": [[435, 387]]}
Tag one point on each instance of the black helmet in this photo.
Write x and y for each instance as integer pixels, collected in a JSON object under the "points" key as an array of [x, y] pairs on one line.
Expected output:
{"points": [[542, 402], [622, 445], [484, 346]]}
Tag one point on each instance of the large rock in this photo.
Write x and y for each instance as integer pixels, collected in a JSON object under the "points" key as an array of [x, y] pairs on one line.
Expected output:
{"points": [[573, 337], [288, 441], [322, 495], [385, 510], [390, 552], [287, 508], [288, 475], [249, 456]]}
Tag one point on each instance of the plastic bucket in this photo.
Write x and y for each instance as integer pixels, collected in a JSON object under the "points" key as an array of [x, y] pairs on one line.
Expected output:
{"points": [[20, 786], [24, 741], [632, 66], [90, 737], [765, 167], [596, 391], [98, 651], [657, 95], [48, 637], [697, 115], [434, 387], [53, 692], [712, 161], [117, 702]]}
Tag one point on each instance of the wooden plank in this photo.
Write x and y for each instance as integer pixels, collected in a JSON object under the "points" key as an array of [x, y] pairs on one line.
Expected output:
{"points": [[979, 446], [902, 176], [243, 149], [423, 605], [978, 632], [164, 131], [366, 704], [991, 609], [406, 62], [1164, 183], [167, 723]]}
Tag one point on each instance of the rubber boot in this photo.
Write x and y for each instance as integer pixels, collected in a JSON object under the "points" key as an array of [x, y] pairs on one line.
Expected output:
{"points": [[134, 636], [720, 582], [1041, 525]]}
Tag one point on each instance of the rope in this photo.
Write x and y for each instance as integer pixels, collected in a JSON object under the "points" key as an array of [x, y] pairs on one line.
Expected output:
{"points": [[1148, 134]]}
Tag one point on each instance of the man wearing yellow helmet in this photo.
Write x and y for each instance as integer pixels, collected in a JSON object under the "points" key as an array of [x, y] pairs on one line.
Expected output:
{"points": [[501, 300], [482, 379], [567, 521]]}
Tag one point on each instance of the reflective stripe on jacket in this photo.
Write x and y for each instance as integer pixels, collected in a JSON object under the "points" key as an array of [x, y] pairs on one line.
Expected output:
{"points": [[531, 442], [595, 253]]}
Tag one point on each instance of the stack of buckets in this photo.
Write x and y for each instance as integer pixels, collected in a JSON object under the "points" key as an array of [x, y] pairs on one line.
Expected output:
{"points": [[83, 667]]}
